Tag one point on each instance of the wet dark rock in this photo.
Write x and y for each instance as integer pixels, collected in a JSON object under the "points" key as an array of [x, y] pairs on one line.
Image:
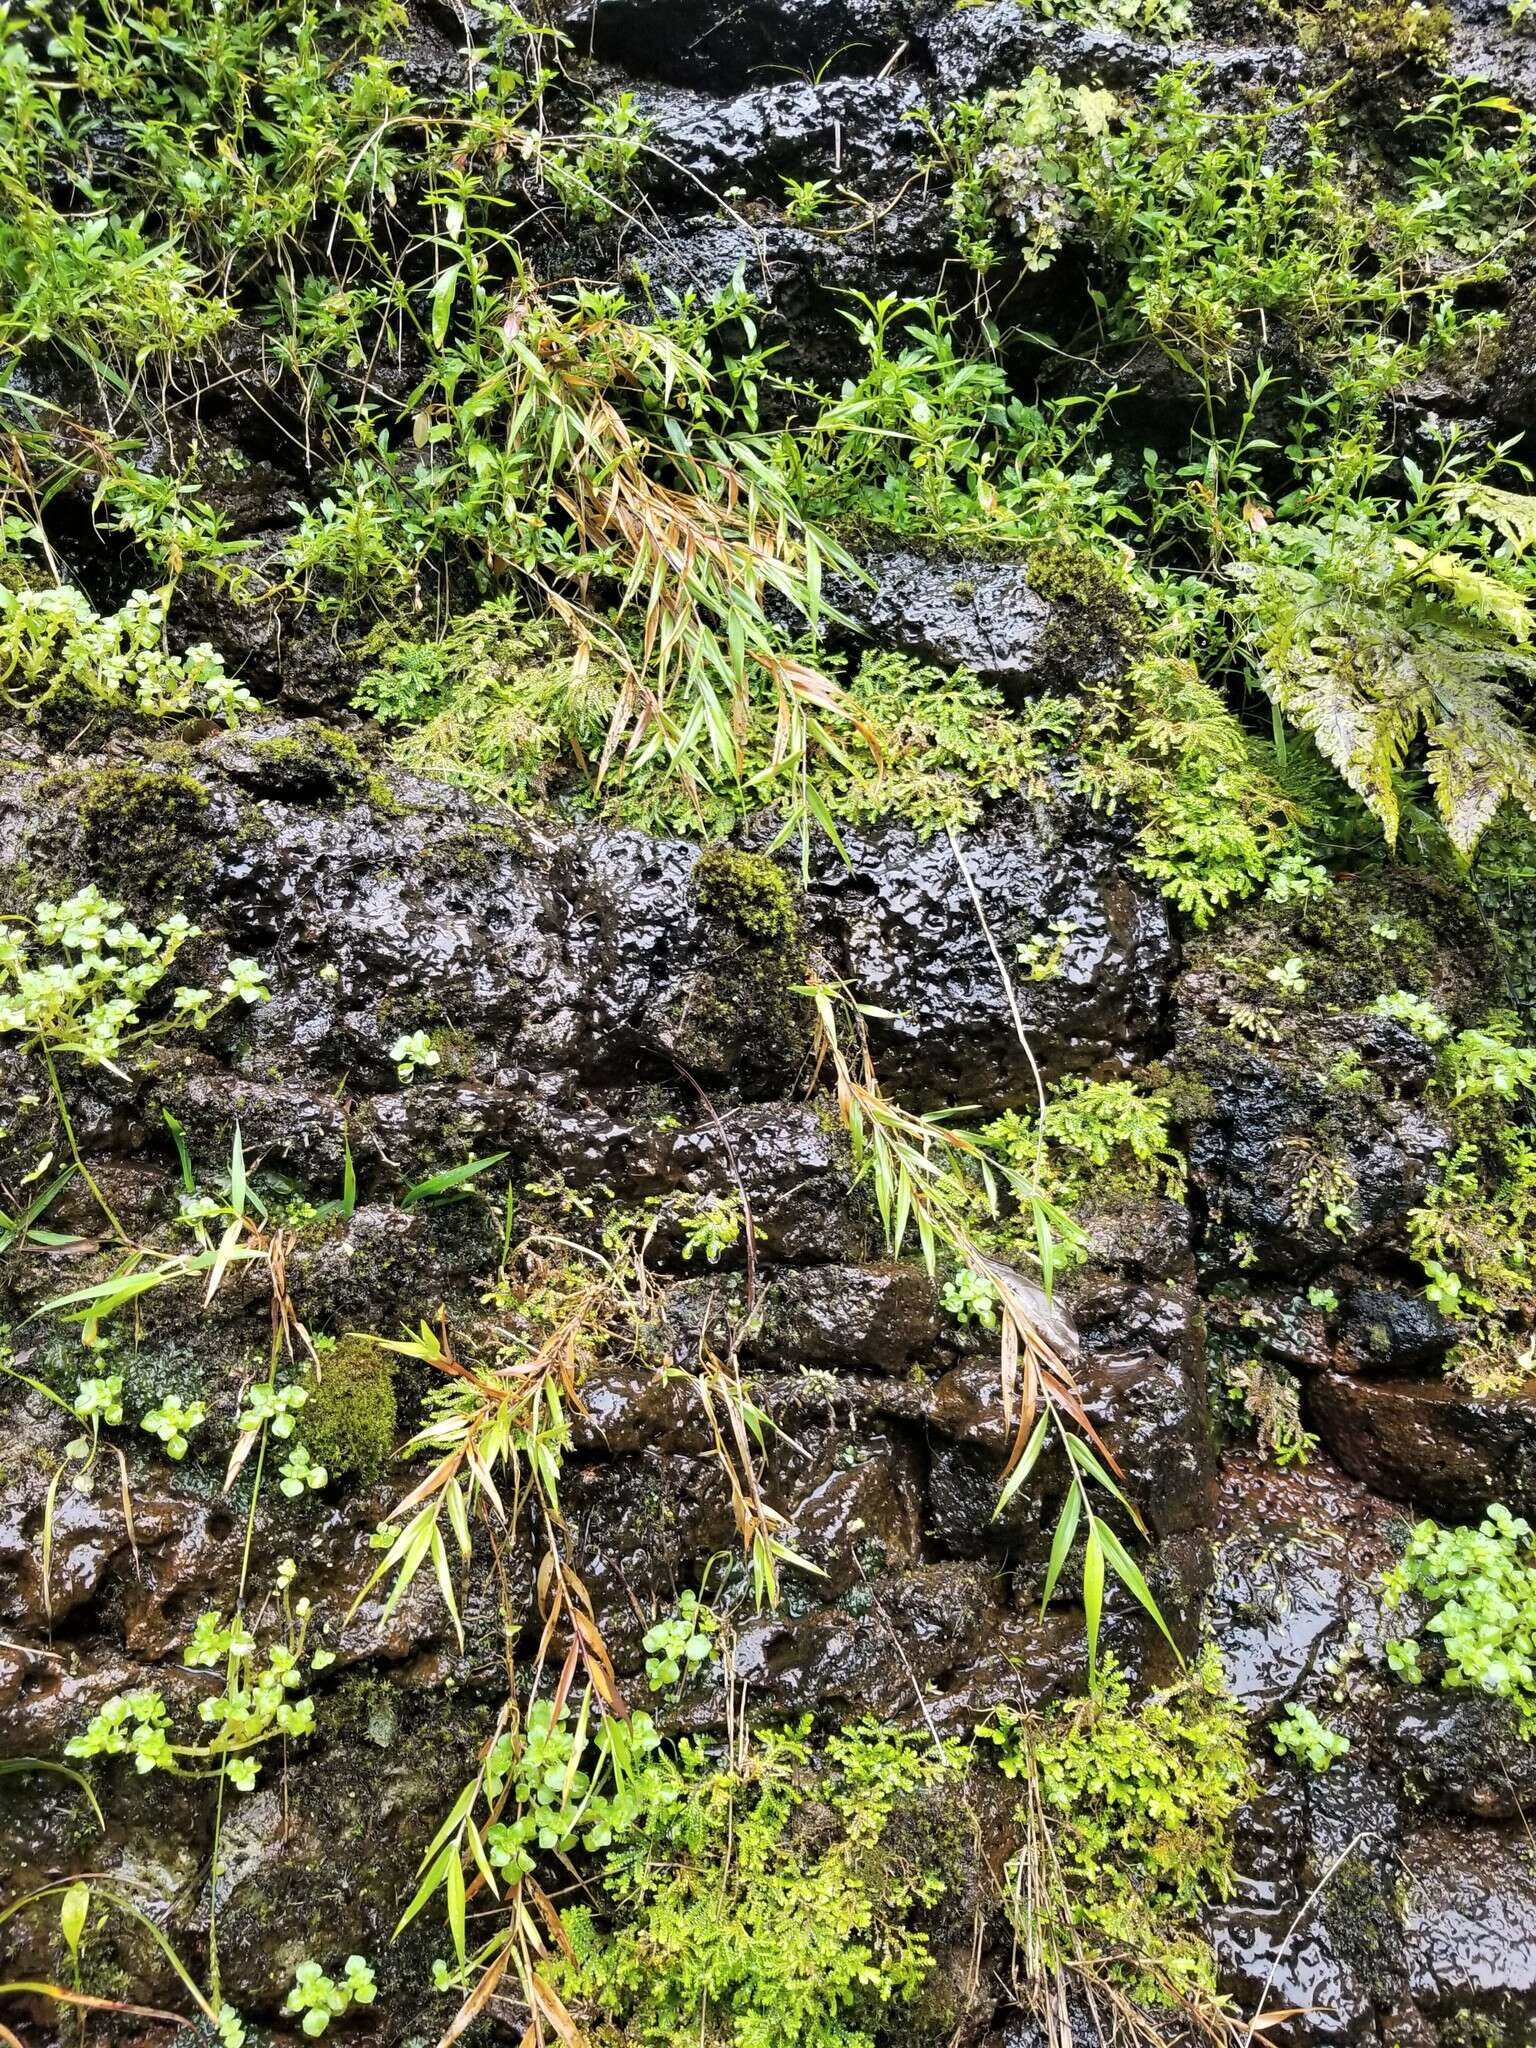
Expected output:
{"points": [[1462, 1753], [576, 983], [1149, 1395], [712, 42], [1291, 1183], [898, 922], [1275, 1323], [985, 616], [1297, 1569], [982, 616], [1431, 1443], [794, 1167], [1000, 42], [1364, 1907], [802, 275], [878, 1318], [953, 1642], [854, 131], [1390, 1331], [1471, 1932], [630, 1409]]}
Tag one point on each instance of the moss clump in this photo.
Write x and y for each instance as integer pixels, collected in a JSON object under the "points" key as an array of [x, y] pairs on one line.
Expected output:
{"points": [[314, 764], [1379, 34], [1097, 629], [134, 828], [749, 892], [1140, 1799], [349, 1419], [739, 1011]]}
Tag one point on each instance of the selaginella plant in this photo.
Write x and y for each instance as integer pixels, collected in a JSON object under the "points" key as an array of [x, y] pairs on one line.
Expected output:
{"points": [[1125, 1816]]}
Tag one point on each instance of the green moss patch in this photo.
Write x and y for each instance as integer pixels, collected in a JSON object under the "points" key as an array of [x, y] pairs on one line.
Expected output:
{"points": [[350, 1418]]}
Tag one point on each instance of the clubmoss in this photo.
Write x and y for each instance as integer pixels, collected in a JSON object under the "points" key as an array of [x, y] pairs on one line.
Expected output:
{"points": [[781, 1901], [349, 1420], [1139, 1799]]}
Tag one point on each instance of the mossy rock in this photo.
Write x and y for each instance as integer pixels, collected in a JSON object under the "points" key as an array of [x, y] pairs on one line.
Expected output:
{"points": [[313, 763], [348, 1423], [131, 828], [1097, 629], [1378, 35], [749, 892], [739, 1013]]}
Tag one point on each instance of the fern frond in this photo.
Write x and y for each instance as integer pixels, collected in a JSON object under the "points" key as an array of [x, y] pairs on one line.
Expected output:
{"points": [[1512, 513], [1469, 589], [1371, 643]]}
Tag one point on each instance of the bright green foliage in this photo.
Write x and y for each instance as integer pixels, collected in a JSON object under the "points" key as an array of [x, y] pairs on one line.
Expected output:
{"points": [[938, 745], [300, 1474], [679, 1643], [1481, 1584], [173, 1421], [1204, 240], [1378, 33], [1100, 1135], [1214, 826], [1300, 1734], [321, 2000], [1296, 878], [85, 998], [806, 199], [591, 175], [248, 117], [971, 1298], [268, 1403], [571, 441], [711, 1225], [1489, 1063], [771, 1906], [100, 1400], [1096, 1124], [131, 1724], [550, 1785], [413, 1049], [1474, 1235], [1138, 1801], [1383, 624], [1213, 240], [1013, 160], [495, 703], [554, 1801], [1417, 1012], [1161, 21], [256, 1706], [55, 645], [932, 442], [507, 711]]}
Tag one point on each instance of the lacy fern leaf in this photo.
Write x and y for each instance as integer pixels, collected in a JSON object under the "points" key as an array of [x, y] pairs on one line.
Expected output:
{"points": [[1371, 642]]}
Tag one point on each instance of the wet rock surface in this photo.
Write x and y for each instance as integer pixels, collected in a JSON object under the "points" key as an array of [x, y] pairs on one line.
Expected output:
{"points": [[1356, 1891], [590, 1032]]}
